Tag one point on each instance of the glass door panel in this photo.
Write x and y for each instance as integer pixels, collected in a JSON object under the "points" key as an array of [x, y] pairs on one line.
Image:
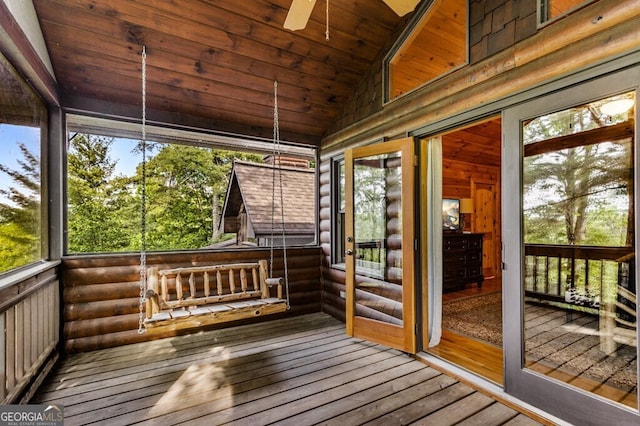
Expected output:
{"points": [[379, 245], [569, 242], [578, 209], [377, 232]]}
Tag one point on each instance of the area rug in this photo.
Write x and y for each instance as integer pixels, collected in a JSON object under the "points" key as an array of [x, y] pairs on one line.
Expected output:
{"points": [[479, 317]]}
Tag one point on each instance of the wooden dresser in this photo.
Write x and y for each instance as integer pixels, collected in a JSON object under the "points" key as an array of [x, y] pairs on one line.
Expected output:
{"points": [[462, 260]]}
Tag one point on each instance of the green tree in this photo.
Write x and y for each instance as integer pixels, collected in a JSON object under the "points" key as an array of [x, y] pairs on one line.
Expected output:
{"points": [[94, 198], [20, 215], [573, 182]]}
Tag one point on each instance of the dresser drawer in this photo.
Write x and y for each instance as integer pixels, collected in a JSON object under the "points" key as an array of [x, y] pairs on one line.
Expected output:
{"points": [[474, 270], [454, 274], [474, 244], [450, 245], [474, 256], [461, 260]]}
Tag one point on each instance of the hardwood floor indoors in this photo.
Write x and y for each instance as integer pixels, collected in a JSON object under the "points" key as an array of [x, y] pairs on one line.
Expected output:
{"points": [[477, 356], [301, 370]]}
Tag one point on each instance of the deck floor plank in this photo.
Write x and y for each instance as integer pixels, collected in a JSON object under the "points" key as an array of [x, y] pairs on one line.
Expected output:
{"points": [[154, 355], [333, 339], [521, 420], [294, 371], [192, 391], [458, 411], [495, 414], [415, 411], [277, 394], [393, 400], [338, 387], [230, 373]]}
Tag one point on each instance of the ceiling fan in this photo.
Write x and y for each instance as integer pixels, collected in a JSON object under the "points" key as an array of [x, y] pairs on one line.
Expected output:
{"points": [[300, 11]]}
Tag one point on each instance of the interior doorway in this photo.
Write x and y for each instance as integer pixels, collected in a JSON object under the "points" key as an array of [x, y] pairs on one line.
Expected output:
{"points": [[471, 249]]}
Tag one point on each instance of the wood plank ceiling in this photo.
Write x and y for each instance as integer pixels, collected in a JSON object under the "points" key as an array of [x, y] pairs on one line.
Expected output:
{"points": [[215, 61]]}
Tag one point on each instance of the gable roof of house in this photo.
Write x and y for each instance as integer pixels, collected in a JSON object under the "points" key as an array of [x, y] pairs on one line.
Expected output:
{"points": [[251, 185]]}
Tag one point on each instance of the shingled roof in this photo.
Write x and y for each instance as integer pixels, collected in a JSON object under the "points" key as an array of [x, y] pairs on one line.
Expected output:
{"points": [[251, 185]]}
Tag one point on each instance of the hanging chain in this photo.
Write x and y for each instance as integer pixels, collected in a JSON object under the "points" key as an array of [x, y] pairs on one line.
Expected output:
{"points": [[326, 33], [276, 154], [276, 136], [143, 221]]}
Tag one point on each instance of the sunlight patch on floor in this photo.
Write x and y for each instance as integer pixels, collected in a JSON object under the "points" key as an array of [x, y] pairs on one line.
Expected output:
{"points": [[199, 379]]}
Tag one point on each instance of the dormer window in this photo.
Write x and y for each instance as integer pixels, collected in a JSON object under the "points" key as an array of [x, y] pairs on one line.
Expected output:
{"points": [[550, 10], [433, 45]]}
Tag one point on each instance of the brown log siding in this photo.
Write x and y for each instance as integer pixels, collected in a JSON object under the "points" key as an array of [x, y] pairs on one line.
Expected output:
{"points": [[100, 293]]}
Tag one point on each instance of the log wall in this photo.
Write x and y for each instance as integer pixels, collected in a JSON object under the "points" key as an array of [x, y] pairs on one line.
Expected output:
{"points": [[333, 279], [101, 293]]}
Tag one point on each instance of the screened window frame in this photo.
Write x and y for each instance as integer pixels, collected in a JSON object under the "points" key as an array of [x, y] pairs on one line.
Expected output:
{"points": [[81, 122], [338, 216], [9, 276]]}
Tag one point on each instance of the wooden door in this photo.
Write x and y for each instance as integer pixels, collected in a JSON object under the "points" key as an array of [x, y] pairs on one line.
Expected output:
{"points": [[485, 220], [379, 246]]}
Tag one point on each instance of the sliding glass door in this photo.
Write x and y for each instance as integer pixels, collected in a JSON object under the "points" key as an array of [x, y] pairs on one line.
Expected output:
{"points": [[569, 215]]}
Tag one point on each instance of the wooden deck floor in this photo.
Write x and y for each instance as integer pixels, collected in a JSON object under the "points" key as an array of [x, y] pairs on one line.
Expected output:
{"points": [[297, 371]]}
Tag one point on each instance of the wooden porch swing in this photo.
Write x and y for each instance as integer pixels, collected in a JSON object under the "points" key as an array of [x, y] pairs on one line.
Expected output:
{"points": [[240, 291], [215, 293]]}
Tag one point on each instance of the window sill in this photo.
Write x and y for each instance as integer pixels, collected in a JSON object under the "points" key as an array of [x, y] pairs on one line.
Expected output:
{"points": [[26, 272]]}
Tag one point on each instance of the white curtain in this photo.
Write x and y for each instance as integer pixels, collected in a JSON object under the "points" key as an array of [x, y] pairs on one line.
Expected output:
{"points": [[434, 240]]}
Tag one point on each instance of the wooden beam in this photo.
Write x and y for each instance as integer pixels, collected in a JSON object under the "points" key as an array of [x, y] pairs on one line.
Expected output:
{"points": [[16, 46], [589, 137]]}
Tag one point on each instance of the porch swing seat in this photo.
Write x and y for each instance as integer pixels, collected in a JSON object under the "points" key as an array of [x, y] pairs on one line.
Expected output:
{"points": [[192, 297]]}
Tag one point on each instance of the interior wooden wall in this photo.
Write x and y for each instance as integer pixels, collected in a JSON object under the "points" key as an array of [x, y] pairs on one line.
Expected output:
{"points": [[101, 293], [457, 177]]}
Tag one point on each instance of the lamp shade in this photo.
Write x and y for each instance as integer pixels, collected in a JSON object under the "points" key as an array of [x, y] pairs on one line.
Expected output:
{"points": [[466, 205], [618, 106]]}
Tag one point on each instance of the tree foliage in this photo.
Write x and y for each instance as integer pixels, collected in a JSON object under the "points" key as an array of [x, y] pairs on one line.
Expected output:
{"points": [[20, 214], [185, 186], [94, 198], [565, 190]]}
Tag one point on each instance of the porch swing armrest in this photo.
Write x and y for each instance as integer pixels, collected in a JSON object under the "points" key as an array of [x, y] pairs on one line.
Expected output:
{"points": [[263, 273], [153, 305], [276, 282]]}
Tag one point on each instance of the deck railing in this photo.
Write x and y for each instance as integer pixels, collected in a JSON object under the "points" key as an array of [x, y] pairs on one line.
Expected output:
{"points": [[579, 275], [371, 258], [371, 251], [30, 318]]}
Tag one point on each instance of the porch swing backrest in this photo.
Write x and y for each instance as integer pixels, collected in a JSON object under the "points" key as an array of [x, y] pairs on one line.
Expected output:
{"points": [[201, 295]]}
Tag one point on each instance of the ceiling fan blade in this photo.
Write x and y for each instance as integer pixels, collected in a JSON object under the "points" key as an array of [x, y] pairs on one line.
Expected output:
{"points": [[299, 14], [402, 7]]}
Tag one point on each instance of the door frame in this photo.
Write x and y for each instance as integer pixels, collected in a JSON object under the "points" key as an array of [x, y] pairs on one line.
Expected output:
{"points": [[402, 337]]}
